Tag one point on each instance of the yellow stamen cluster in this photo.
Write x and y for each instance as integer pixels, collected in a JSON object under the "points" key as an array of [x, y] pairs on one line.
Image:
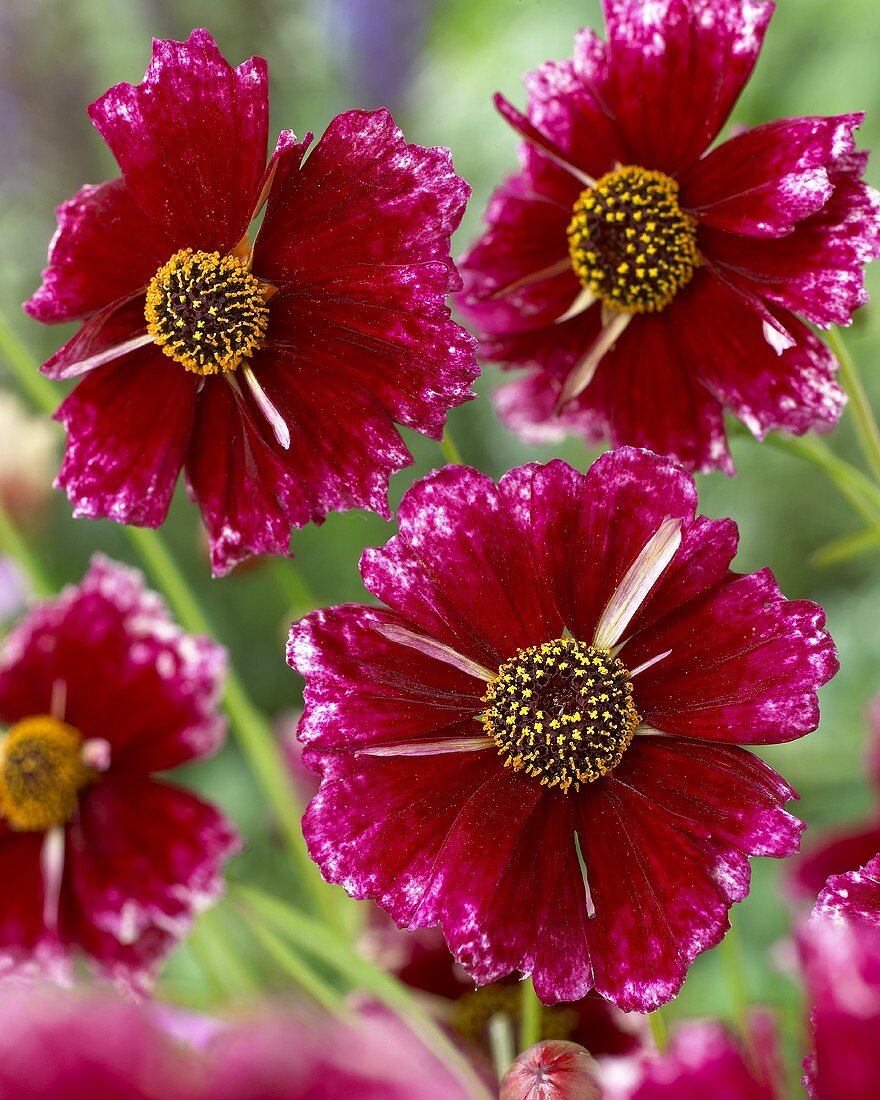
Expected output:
{"points": [[207, 312], [41, 773], [472, 1012], [562, 711], [631, 243]]}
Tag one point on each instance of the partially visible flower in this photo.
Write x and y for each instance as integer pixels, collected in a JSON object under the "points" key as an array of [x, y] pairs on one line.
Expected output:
{"points": [[840, 949], [649, 284], [533, 740], [28, 453], [704, 1062], [100, 690], [845, 848], [72, 1046], [552, 1070], [272, 372], [15, 588]]}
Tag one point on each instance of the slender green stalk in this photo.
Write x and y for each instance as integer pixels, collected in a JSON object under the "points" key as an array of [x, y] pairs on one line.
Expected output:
{"points": [[735, 979], [450, 451], [300, 598], [659, 1033], [501, 1043], [16, 546], [38, 388], [847, 547], [212, 958], [295, 967], [219, 946], [322, 943], [865, 421], [531, 1015]]}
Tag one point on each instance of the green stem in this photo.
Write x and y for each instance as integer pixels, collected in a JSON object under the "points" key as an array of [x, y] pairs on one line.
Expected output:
{"points": [[659, 1033], [320, 942], [38, 388], [735, 979], [450, 451], [866, 423], [295, 966], [16, 546], [847, 547], [531, 1015], [299, 597]]}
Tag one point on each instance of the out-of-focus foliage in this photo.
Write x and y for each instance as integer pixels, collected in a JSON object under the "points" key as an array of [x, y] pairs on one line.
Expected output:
{"points": [[436, 65]]}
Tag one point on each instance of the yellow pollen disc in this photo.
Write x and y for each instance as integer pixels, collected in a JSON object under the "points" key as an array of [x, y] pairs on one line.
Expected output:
{"points": [[472, 1012], [631, 243], [207, 312], [41, 773], [562, 712]]}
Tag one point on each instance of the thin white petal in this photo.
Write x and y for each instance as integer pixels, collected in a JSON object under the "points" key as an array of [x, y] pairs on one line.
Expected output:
{"points": [[430, 748], [588, 893], [778, 338], [95, 753], [432, 648], [582, 375], [640, 578], [649, 731], [276, 420], [559, 268], [84, 365], [52, 868], [583, 301], [645, 665], [58, 703]]}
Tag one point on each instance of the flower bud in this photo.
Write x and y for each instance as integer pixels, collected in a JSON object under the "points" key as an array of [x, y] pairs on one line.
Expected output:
{"points": [[552, 1070]]}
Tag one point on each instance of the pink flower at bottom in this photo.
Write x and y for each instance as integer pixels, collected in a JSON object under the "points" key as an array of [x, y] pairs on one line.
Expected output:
{"points": [[534, 740], [99, 691]]}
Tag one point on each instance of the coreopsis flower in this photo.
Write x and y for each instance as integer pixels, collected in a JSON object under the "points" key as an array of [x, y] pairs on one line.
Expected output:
{"points": [[845, 848], [100, 690], [271, 371], [840, 949], [648, 283], [534, 743]]}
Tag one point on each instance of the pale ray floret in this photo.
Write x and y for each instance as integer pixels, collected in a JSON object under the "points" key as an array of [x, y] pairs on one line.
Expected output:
{"points": [[429, 748], [585, 299], [559, 268], [83, 366], [432, 648], [645, 665], [52, 870], [274, 418], [581, 375], [638, 581]]}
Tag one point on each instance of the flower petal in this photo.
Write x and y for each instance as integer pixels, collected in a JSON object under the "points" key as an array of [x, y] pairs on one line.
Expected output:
{"points": [[675, 70], [128, 425], [191, 140], [24, 939], [104, 249], [762, 182], [837, 853], [744, 665], [852, 897]]}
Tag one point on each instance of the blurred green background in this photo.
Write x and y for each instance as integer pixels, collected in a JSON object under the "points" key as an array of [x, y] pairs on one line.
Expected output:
{"points": [[436, 65]]}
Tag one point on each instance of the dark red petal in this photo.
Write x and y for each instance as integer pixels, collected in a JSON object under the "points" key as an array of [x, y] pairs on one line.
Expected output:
{"points": [[362, 688], [743, 665], [104, 249], [461, 570], [104, 332], [675, 68], [22, 931], [128, 425], [191, 140], [142, 860], [762, 182], [251, 491], [724, 344]]}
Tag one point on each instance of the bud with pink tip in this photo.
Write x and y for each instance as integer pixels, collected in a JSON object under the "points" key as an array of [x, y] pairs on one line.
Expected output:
{"points": [[552, 1070]]}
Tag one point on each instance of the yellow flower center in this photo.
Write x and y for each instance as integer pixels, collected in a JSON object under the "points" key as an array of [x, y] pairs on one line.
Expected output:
{"points": [[41, 773], [207, 312], [562, 711], [631, 243]]}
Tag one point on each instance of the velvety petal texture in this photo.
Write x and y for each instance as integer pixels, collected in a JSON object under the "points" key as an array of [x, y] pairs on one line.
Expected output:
{"points": [[781, 224], [352, 267], [616, 884], [139, 858]]}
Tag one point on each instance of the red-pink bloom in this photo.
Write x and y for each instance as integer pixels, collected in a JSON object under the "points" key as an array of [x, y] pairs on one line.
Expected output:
{"points": [[552, 1070], [271, 372], [845, 848], [533, 743], [649, 284], [840, 948], [100, 690]]}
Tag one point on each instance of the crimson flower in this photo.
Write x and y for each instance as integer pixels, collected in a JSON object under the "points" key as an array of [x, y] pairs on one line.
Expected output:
{"points": [[99, 690], [534, 742], [649, 283], [272, 371]]}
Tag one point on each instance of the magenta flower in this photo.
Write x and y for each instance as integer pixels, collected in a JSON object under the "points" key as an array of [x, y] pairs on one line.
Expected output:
{"points": [[534, 742], [100, 690], [846, 848], [840, 948], [650, 284], [270, 372]]}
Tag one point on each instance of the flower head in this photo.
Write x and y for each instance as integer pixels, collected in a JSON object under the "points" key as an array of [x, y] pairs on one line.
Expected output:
{"points": [[99, 690], [552, 1071], [648, 283], [482, 764], [271, 371]]}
